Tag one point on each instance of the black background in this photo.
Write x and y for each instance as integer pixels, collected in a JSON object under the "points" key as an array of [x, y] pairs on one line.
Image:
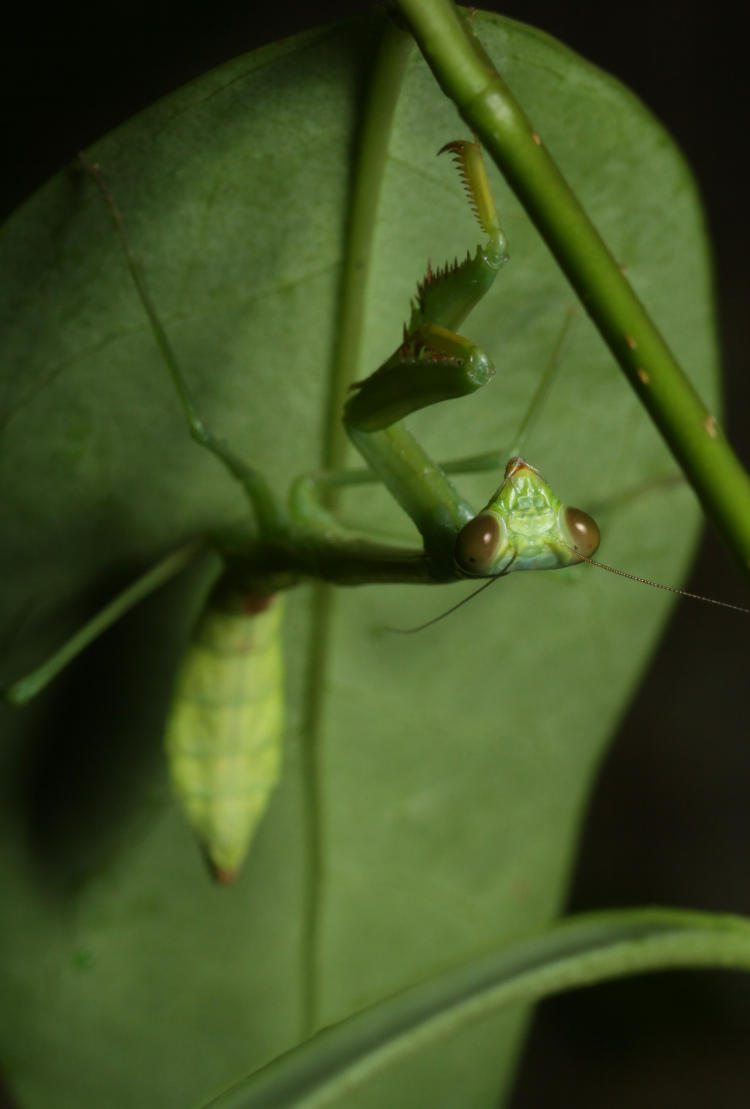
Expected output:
{"points": [[669, 821]]}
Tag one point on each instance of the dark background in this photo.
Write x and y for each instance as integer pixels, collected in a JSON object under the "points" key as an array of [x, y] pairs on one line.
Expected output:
{"points": [[669, 821]]}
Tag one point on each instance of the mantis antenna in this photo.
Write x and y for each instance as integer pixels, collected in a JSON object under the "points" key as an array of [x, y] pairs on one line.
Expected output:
{"points": [[658, 585], [592, 562], [448, 611]]}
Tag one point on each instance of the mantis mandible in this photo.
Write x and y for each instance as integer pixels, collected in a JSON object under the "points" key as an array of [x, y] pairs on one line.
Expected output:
{"points": [[225, 726]]}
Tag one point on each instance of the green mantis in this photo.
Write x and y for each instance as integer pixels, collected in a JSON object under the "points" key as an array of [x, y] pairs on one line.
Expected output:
{"points": [[225, 728], [451, 777]]}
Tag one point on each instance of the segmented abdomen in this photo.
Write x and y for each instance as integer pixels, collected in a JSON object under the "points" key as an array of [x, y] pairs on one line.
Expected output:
{"points": [[224, 732]]}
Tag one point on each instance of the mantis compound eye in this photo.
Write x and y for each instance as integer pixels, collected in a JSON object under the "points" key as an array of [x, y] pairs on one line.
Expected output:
{"points": [[477, 544], [582, 531]]}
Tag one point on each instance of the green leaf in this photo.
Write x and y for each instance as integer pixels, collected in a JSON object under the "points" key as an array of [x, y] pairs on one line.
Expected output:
{"points": [[454, 765]]}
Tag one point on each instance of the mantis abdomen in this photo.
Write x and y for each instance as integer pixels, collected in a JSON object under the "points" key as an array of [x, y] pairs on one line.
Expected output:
{"points": [[225, 727]]}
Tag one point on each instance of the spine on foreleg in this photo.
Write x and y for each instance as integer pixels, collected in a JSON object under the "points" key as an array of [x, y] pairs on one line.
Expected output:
{"points": [[224, 734]]}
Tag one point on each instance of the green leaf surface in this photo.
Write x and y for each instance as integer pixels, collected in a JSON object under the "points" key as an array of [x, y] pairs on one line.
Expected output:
{"points": [[454, 765]]}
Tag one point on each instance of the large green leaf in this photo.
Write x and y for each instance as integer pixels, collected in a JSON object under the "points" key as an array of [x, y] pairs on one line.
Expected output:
{"points": [[454, 764]]}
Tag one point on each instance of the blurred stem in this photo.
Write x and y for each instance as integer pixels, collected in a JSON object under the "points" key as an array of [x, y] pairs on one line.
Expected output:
{"points": [[368, 167], [488, 106], [346, 1058]]}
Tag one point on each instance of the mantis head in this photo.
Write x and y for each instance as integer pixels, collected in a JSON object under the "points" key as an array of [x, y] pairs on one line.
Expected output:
{"points": [[524, 527]]}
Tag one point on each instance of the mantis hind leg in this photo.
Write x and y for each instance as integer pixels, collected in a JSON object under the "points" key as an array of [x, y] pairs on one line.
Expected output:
{"points": [[267, 509], [28, 686], [309, 493]]}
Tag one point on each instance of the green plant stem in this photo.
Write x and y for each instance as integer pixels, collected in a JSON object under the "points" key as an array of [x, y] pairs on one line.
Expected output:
{"points": [[367, 177], [368, 167], [580, 951], [488, 106]]}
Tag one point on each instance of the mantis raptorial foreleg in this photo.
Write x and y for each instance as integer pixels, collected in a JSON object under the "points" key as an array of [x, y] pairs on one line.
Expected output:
{"points": [[524, 526], [224, 730]]}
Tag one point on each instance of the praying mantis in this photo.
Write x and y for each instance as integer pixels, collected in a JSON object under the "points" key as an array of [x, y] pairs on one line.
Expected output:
{"points": [[225, 728], [419, 809], [224, 732]]}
